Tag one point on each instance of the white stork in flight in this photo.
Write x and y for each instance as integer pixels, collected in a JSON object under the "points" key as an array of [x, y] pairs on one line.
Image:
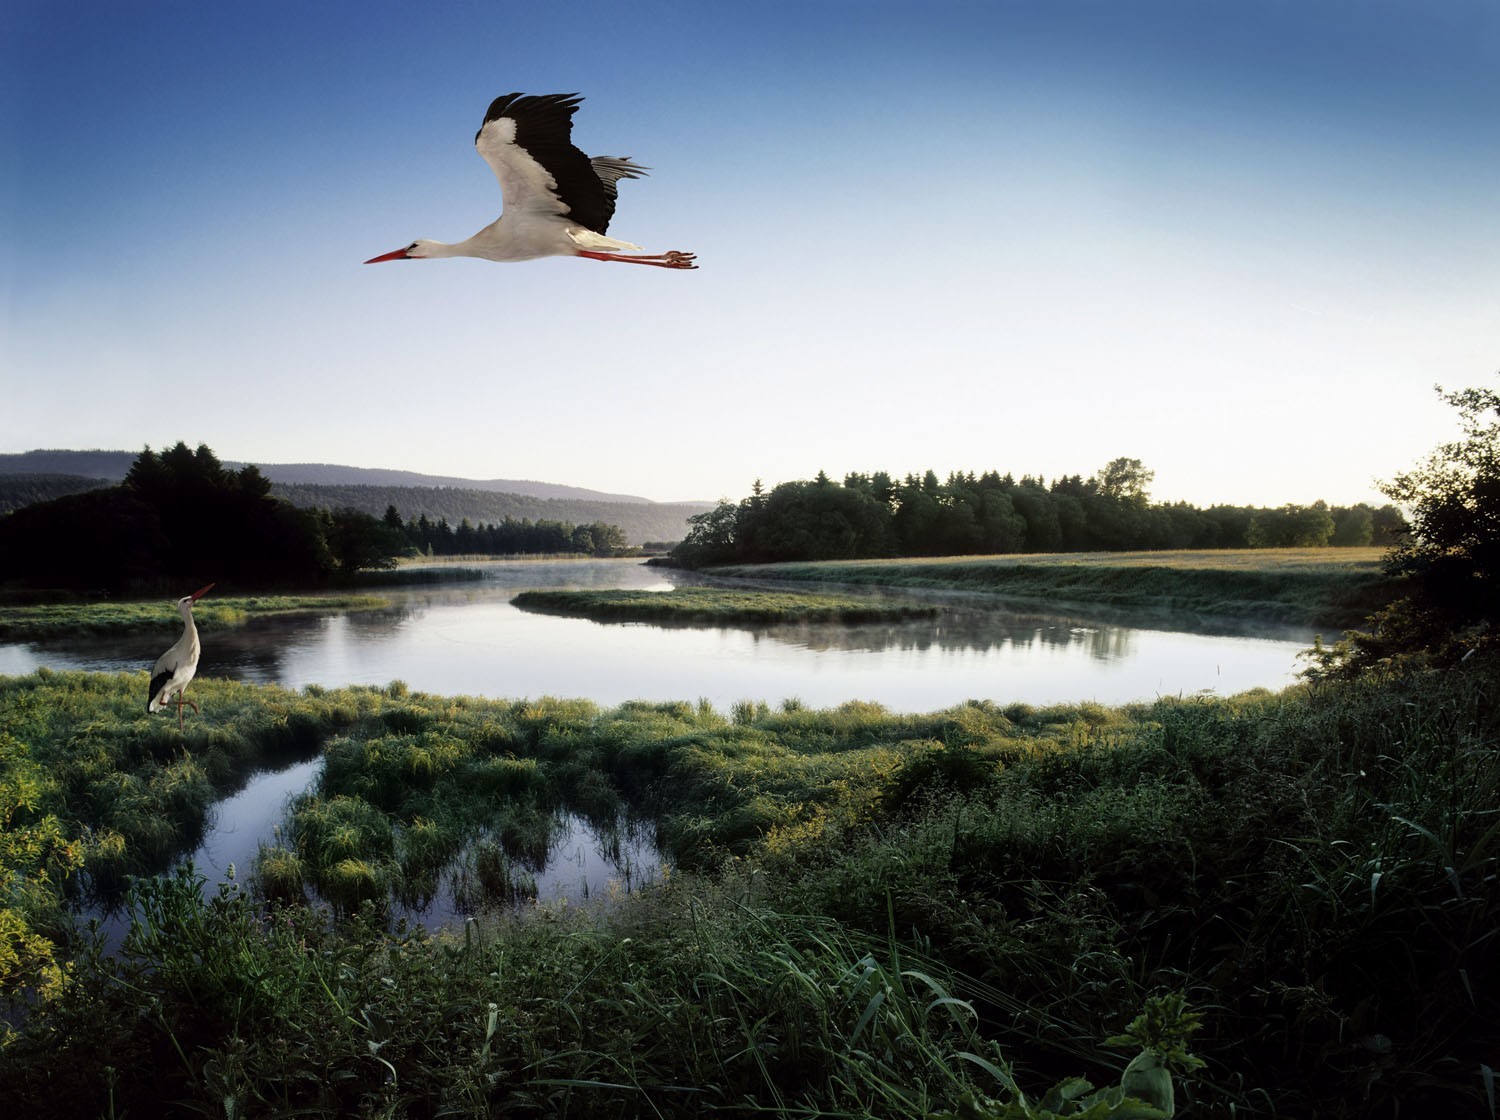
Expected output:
{"points": [[558, 201], [175, 668]]}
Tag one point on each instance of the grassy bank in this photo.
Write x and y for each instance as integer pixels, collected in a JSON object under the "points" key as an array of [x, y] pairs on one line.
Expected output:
{"points": [[1315, 870], [718, 606], [57, 620], [1332, 587]]}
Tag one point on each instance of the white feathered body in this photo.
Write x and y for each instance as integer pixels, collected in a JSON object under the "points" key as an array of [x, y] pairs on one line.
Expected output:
{"points": [[175, 668]]}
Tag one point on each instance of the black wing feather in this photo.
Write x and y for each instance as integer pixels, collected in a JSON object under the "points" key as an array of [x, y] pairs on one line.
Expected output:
{"points": [[158, 683], [544, 128]]}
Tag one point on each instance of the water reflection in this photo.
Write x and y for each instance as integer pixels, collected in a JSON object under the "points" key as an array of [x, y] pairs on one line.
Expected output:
{"points": [[956, 630], [468, 638]]}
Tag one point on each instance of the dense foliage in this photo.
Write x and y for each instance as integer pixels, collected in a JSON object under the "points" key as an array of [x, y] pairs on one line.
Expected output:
{"points": [[1447, 572], [874, 515], [179, 517]]}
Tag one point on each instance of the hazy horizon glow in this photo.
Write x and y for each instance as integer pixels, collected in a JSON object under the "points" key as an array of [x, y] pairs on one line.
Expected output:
{"points": [[1241, 244]]}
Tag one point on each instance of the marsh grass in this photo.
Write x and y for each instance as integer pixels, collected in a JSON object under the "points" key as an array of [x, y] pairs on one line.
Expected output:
{"points": [[56, 620], [1330, 586], [279, 877], [1316, 870], [675, 1004], [714, 606]]}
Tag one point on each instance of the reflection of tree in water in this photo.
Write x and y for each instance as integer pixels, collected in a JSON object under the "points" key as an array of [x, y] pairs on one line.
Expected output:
{"points": [[958, 631]]}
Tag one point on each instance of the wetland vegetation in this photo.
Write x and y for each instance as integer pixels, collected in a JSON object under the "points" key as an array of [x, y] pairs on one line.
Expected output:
{"points": [[839, 878], [720, 606], [1337, 587], [57, 620]]}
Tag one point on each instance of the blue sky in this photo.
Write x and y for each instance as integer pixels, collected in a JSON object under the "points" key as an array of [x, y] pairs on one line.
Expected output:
{"points": [[1238, 241]]}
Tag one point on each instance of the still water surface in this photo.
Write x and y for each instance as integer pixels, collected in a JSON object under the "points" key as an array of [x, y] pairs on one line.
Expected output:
{"points": [[468, 639]]}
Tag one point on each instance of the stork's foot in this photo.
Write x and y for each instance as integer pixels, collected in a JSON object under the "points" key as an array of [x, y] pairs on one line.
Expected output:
{"points": [[673, 259]]}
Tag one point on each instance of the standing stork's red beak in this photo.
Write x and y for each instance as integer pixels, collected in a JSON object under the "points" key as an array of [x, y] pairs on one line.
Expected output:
{"points": [[202, 591]]}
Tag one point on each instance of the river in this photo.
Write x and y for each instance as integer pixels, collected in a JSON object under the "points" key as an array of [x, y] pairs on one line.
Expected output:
{"points": [[467, 638]]}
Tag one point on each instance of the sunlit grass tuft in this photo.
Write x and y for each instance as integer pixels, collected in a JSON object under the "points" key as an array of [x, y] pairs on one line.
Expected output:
{"points": [[278, 873]]}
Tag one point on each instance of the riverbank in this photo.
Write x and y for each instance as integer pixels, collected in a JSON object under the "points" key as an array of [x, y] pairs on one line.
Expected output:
{"points": [[1316, 870], [112, 617], [1318, 587]]}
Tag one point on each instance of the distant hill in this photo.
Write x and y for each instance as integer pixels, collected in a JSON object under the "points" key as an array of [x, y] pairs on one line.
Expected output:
{"points": [[108, 465], [113, 465], [33, 476]]}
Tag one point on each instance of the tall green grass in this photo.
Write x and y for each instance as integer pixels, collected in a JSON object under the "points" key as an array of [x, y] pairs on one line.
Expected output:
{"points": [[675, 1004]]}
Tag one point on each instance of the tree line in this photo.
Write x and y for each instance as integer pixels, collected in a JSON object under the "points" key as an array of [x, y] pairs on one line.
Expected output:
{"points": [[181, 516], [509, 537], [875, 515]]}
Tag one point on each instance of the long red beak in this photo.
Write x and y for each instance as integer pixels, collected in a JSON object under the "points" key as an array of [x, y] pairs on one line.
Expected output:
{"points": [[398, 255], [202, 591]]}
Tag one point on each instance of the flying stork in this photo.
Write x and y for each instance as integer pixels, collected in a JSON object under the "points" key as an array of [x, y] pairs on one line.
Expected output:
{"points": [[558, 201], [175, 668]]}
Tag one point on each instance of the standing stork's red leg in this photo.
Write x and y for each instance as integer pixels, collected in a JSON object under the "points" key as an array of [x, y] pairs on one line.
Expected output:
{"points": [[182, 701]]}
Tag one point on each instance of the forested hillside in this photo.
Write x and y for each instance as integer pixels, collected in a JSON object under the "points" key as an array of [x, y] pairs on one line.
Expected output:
{"points": [[17, 490], [639, 521]]}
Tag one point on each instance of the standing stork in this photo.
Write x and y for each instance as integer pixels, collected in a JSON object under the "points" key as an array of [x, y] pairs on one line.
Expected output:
{"points": [[558, 201], [175, 668]]}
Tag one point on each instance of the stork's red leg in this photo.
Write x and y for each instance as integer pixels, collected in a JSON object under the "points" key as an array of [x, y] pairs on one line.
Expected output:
{"points": [[182, 702], [673, 259]]}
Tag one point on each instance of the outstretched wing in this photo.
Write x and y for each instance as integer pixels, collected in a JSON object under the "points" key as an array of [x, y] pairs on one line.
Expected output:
{"points": [[527, 141], [611, 169]]}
